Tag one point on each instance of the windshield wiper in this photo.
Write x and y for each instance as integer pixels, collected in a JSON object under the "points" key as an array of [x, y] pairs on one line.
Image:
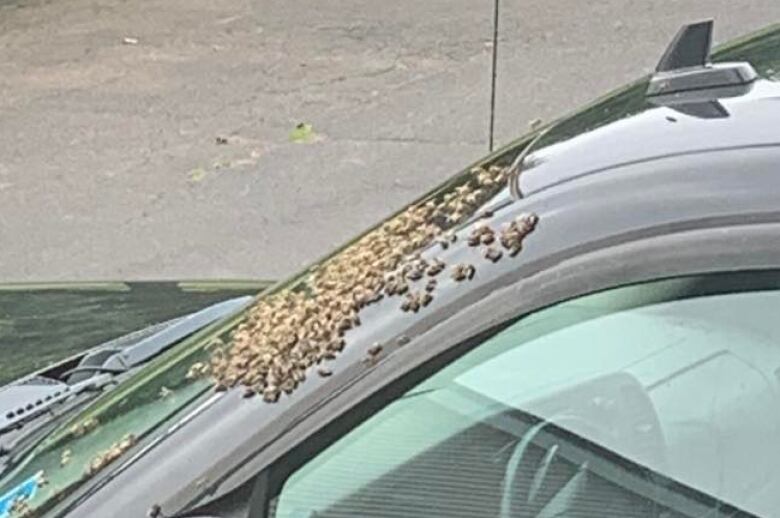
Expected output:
{"points": [[32, 402]]}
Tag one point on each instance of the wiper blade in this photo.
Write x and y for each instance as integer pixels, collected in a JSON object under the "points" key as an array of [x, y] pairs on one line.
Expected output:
{"points": [[27, 399], [151, 346], [34, 396], [36, 424]]}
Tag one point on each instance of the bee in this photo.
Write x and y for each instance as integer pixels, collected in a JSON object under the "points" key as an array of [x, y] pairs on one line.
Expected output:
{"points": [[77, 430], [488, 238], [288, 386], [463, 271], [40, 477], [492, 254], [414, 302], [336, 344], [414, 274], [473, 197], [375, 349], [459, 272], [483, 228], [324, 372], [299, 376], [216, 344], [19, 507], [374, 297], [454, 216], [65, 457], [98, 463], [425, 299], [196, 370], [127, 442], [508, 239], [436, 267], [526, 222], [402, 340], [271, 394], [462, 190], [430, 286]]}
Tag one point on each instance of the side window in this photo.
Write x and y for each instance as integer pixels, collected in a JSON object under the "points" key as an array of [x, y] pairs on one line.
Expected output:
{"points": [[660, 399]]}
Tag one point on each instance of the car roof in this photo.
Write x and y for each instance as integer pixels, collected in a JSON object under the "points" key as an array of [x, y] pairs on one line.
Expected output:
{"points": [[656, 131], [628, 126]]}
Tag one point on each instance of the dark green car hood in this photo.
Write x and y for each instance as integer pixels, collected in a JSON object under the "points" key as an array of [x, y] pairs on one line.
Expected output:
{"points": [[41, 324]]}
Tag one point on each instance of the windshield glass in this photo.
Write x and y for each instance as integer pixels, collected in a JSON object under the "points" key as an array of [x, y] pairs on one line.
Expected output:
{"points": [[653, 400], [41, 324]]}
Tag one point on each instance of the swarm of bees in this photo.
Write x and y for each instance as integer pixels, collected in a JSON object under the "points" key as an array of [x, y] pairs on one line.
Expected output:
{"points": [[302, 325], [105, 458], [20, 508]]}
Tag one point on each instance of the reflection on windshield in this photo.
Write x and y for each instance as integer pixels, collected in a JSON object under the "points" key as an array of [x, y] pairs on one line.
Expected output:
{"points": [[648, 401]]}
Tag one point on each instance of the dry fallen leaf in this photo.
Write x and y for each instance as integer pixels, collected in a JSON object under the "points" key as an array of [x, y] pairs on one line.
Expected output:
{"points": [[303, 133], [197, 174]]}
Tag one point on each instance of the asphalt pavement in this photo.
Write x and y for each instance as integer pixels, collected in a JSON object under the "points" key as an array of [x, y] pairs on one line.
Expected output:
{"points": [[152, 139]]}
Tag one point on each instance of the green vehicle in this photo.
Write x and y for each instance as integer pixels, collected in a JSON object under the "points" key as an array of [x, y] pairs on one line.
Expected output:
{"points": [[583, 324]]}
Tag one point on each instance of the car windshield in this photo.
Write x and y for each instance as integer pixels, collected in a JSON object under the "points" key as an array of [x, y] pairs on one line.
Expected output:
{"points": [[659, 399]]}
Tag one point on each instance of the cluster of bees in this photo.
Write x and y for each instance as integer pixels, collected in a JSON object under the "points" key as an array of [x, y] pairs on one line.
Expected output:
{"points": [[111, 454], [302, 324], [65, 457], [510, 237], [84, 427], [20, 508]]}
